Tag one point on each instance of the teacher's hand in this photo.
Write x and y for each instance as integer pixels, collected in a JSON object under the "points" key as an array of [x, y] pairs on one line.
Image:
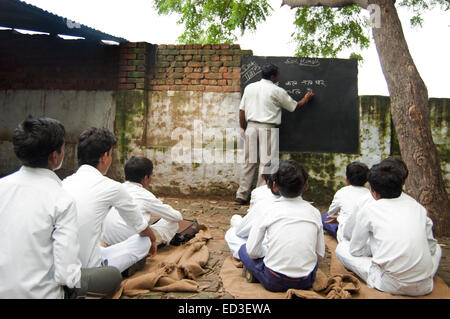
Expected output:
{"points": [[308, 96]]}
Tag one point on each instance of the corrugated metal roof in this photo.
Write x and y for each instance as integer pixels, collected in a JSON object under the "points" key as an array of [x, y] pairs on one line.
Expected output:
{"points": [[21, 15]]}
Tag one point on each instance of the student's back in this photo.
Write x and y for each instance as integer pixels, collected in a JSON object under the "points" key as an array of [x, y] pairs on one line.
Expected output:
{"points": [[399, 240], [294, 236], [27, 227]]}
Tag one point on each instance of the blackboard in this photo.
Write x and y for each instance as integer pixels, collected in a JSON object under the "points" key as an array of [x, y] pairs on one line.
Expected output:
{"points": [[329, 123]]}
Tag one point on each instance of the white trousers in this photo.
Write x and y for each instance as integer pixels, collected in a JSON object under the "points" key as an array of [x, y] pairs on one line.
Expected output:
{"points": [[234, 242], [116, 231], [126, 253], [375, 277]]}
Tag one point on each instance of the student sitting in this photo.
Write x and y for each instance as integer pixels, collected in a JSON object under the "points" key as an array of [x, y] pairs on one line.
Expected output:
{"points": [[238, 233], [345, 199], [95, 194], [38, 221], [292, 229], [347, 229], [396, 231], [138, 173]]}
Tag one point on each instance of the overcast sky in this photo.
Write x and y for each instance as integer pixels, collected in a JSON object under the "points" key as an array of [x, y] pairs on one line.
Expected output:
{"points": [[136, 20]]}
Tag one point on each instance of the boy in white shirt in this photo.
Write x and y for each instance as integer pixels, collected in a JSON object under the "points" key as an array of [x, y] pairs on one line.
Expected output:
{"points": [[346, 199], [397, 233], [261, 196], [138, 172], [38, 222], [347, 229], [293, 233], [95, 194]]}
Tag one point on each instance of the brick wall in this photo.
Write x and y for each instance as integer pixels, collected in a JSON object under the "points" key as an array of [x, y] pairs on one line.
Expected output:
{"points": [[46, 62], [196, 67]]}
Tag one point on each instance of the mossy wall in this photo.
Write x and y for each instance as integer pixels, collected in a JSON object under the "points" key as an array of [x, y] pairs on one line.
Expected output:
{"points": [[151, 136]]}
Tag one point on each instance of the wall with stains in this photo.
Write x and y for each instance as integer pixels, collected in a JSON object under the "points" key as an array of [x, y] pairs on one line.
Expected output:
{"points": [[77, 110]]}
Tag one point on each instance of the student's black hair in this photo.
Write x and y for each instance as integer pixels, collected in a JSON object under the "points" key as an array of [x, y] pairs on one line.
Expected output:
{"points": [[268, 70], [268, 177], [357, 173], [36, 138], [136, 168], [93, 143], [386, 180], [291, 178], [400, 165]]}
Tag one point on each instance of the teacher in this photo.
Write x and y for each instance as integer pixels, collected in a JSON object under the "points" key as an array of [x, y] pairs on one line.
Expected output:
{"points": [[260, 107]]}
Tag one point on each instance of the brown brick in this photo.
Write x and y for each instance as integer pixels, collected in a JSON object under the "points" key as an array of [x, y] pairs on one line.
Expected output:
{"points": [[197, 70], [235, 46], [204, 82], [215, 63], [212, 82], [179, 58], [161, 88], [140, 85], [213, 76], [195, 64], [213, 88], [179, 70], [232, 63], [175, 75], [178, 81], [224, 46], [195, 76], [236, 70], [223, 69], [206, 58], [222, 82], [226, 58], [187, 69], [187, 57], [195, 82], [206, 69], [215, 69], [162, 46], [215, 58], [197, 58], [179, 64]]}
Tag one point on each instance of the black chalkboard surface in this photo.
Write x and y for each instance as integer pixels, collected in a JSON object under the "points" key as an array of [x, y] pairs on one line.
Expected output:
{"points": [[329, 123]]}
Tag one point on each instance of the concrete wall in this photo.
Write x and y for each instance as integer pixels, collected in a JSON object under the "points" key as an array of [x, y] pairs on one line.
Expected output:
{"points": [[168, 110], [77, 110]]}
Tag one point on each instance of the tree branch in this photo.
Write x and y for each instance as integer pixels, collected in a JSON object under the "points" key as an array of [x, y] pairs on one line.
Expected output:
{"points": [[324, 3]]}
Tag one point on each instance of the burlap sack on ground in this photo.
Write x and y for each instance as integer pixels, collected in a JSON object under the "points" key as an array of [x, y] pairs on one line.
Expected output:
{"points": [[174, 268], [341, 284]]}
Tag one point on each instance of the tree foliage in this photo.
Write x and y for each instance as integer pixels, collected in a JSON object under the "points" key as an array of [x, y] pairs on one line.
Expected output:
{"points": [[215, 21], [319, 31]]}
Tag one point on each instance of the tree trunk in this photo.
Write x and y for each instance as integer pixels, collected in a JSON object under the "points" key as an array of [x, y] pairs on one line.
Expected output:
{"points": [[411, 116]]}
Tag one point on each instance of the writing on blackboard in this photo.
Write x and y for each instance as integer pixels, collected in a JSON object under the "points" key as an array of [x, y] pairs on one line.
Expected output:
{"points": [[306, 82], [294, 91], [303, 61], [249, 71]]}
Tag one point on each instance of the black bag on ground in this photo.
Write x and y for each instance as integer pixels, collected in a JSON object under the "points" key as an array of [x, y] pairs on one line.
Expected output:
{"points": [[186, 230]]}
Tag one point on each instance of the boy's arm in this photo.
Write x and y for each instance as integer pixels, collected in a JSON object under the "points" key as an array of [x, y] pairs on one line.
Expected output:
{"points": [[360, 235], [432, 242], [255, 239], [156, 207], [128, 210], [335, 205], [65, 245]]}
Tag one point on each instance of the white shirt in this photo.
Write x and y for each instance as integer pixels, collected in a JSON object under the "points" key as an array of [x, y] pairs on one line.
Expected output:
{"points": [[292, 229], [39, 242], [349, 226], [95, 194], [344, 204], [116, 230], [400, 237], [261, 197], [262, 102]]}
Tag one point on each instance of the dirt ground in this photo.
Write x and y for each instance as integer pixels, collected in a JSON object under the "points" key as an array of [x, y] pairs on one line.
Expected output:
{"points": [[216, 215]]}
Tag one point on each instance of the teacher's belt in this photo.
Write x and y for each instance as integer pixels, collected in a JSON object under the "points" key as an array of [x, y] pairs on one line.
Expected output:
{"points": [[275, 125]]}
